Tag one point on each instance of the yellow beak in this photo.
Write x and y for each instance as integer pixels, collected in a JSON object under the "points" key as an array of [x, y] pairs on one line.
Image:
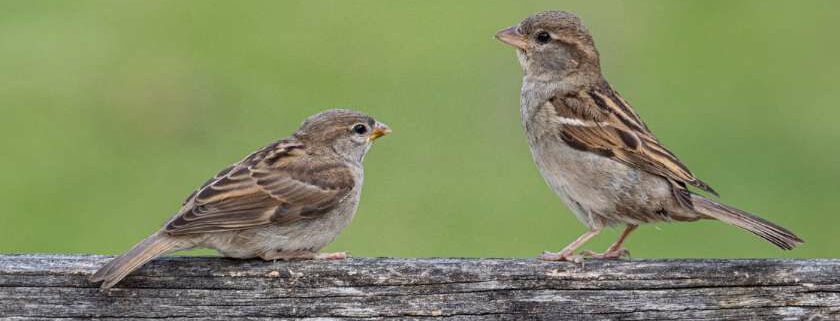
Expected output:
{"points": [[379, 130], [512, 37]]}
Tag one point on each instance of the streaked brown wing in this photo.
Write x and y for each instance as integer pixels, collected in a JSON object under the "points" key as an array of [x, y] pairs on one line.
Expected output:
{"points": [[275, 185], [619, 133]]}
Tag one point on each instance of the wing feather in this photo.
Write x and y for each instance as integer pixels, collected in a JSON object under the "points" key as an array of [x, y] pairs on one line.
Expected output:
{"points": [[616, 131], [270, 186]]}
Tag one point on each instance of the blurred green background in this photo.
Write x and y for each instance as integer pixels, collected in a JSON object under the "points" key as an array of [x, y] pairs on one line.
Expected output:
{"points": [[114, 111]]}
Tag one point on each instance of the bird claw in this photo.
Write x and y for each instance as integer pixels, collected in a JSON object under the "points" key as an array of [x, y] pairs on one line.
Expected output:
{"points": [[608, 255], [332, 256], [561, 256]]}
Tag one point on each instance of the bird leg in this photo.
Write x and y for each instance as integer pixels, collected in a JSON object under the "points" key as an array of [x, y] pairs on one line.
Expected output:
{"points": [[274, 255], [615, 251], [568, 252]]}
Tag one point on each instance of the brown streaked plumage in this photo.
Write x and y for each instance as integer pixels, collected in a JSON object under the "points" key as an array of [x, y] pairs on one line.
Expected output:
{"points": [[594, 150], [285, 201]]}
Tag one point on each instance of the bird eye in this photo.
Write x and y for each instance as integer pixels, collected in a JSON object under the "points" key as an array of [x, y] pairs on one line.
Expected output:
{"points": [[543, 37], [360, 129]]}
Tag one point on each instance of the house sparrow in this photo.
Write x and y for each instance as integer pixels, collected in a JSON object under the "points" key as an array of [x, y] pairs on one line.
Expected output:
{"points": [[285, 201], [595, 152]]}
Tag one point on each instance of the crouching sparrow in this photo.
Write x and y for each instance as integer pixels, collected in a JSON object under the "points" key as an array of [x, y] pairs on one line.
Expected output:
{"points": [[285, 201]]}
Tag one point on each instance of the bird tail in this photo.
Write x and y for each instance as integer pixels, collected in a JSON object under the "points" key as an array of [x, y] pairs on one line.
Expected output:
{"points": [[150, 248], [765, 229]]}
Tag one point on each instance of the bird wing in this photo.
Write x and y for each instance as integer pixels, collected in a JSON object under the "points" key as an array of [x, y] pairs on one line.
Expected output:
{"points": [[275, 185], [600, 121]]}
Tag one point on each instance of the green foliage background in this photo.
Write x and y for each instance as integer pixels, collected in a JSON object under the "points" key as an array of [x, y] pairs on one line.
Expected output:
{"points": [[114, 111]]}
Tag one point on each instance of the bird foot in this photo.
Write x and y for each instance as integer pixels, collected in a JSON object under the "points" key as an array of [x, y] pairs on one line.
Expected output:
{"points": [[332, 256], [612, 254], [561, 256], [287, 255], [302, 255]]}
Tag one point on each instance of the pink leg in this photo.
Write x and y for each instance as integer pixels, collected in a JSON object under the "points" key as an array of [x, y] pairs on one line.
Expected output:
{"points": [[332, 256], [615, 251], [567, 254]]}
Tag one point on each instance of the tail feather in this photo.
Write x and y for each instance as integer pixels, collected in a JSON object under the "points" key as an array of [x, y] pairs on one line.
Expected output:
{"points": [[118, 268], [765, 229]]}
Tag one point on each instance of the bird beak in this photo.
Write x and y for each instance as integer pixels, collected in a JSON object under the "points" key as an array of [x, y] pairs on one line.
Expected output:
{"points": [[379, 130], [512, 37]]}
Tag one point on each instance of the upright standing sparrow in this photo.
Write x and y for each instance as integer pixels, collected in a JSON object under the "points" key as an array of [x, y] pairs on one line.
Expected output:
{"points": [[285, 201], [594, 150]]}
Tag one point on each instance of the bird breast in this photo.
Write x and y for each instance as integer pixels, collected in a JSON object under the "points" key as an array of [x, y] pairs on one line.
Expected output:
{"points": [[600, 191]]}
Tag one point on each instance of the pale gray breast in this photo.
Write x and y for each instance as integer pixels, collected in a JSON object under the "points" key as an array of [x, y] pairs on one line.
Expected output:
{"points": [[317, 233], [597, 189]]}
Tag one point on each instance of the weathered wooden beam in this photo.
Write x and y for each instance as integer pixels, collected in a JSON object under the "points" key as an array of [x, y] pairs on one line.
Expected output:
{"points": [[56, 286]]}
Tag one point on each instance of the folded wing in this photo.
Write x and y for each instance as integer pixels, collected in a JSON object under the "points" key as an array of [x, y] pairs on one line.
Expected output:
{"points": [[267, 187], [614, 130]]}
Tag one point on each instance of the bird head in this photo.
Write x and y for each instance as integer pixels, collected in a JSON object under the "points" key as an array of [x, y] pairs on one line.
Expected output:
{"points": [[345, 132], [552, 45]]}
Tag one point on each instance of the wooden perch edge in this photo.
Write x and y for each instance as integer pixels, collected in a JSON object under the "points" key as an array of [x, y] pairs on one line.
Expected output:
{"points": [[56, 286]]}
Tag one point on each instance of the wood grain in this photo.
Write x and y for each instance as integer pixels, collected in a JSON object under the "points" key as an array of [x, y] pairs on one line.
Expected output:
{"points": [[36, 287]]}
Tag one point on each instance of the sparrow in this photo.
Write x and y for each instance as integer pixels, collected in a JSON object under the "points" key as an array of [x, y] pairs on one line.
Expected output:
{"points": [[595, 152], [285, 201]]}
